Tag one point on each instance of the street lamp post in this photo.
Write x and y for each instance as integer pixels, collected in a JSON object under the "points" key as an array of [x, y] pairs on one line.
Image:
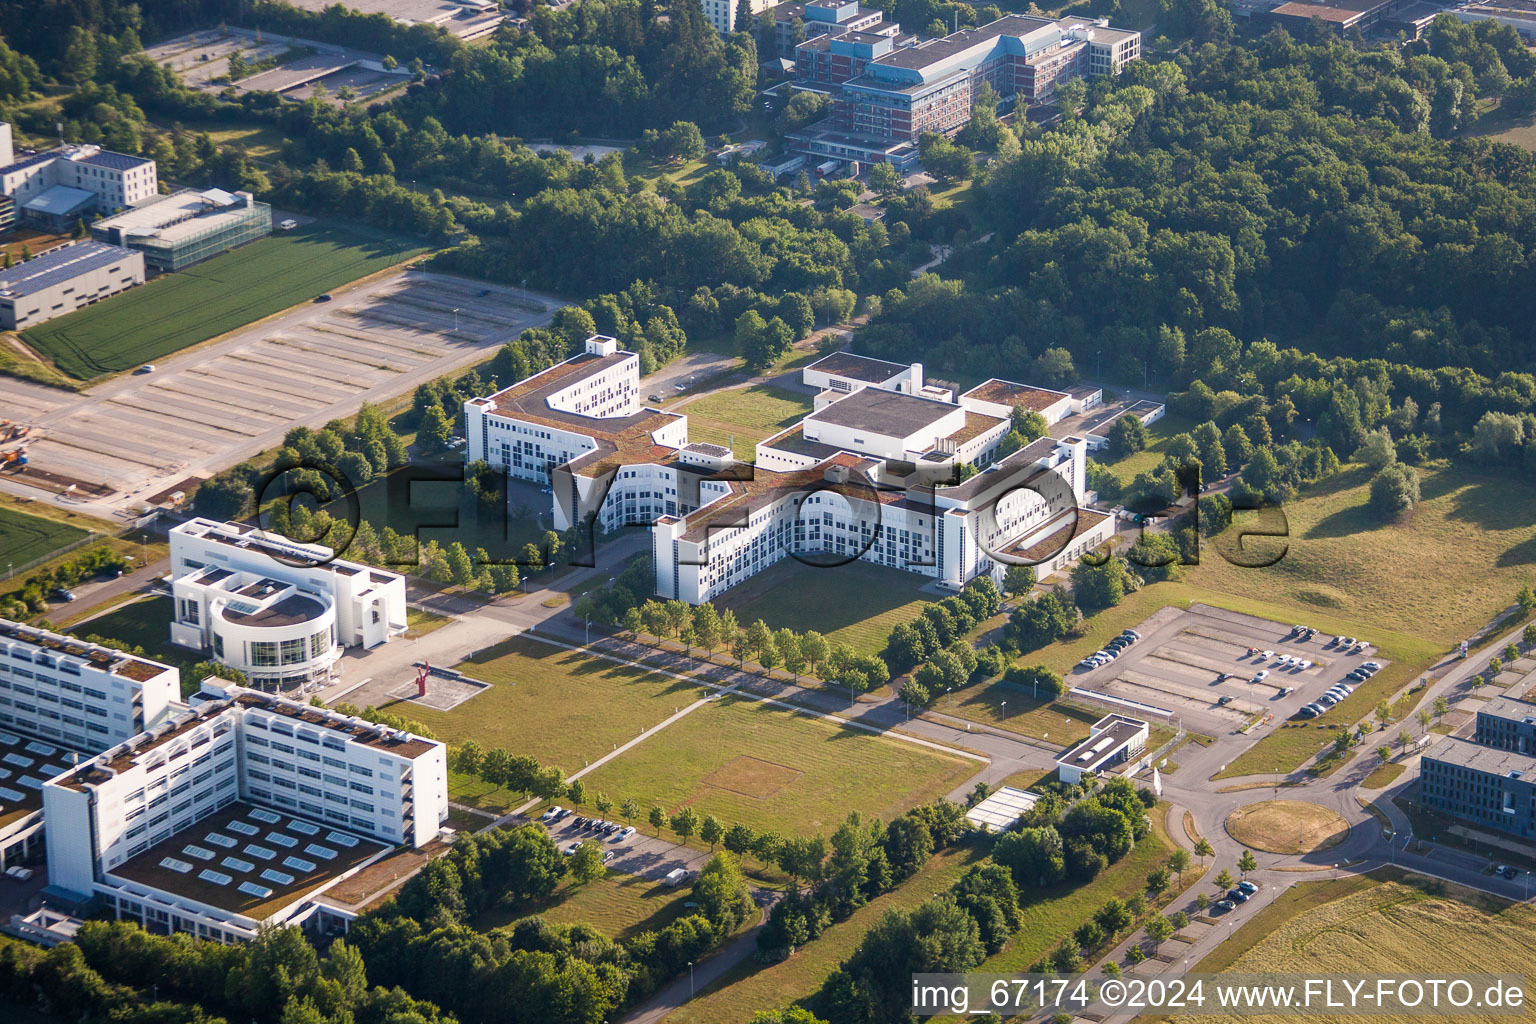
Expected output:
{"points": [[455, 319], [690, 979]]}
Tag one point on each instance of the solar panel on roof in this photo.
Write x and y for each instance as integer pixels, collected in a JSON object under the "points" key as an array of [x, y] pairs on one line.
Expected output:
{"points": [[266, 816], [201, 853], [299, 864], [236, 864], [245, 828], [17, 760], [216, 877], [42, 748], [12, 794], [260, 852], [30, 781], [5, 773], [323, 852], [280, 877], [261, 892], [342, 839], [282, 840], [181, 867], [303, 826], [9, 737], [220, 839]]}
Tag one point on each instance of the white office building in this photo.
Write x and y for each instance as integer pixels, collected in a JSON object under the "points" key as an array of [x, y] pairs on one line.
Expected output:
{"points": [[722, 14], [48, 185], [239, 812], [869, 474], [64, 279], [279, 611], [61, 700]]}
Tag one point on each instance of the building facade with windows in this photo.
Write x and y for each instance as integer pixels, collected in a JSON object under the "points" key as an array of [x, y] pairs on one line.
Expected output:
{"points": [[279, 611], [177, 230], [1489, 780], [64, 279], [238, 812], [878, 115], [114, 180]]}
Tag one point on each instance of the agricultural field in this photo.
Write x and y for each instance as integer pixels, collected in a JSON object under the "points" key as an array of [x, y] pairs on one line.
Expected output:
{"points": [[1343, 561], [618, 905], [744, 416], [25, 537], [555, 705], [750, 986], [183, 309], [856, 604], [769, 768], [1387, 923]]}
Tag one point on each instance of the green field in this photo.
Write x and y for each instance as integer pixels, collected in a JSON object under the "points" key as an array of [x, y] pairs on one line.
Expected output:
{"points": [[750, 986], [1060, 722], [1151, 457], [25, 537], [1369, 925], [744, 416], [856, 604], [1444, 573], [229, 291], [558, 706], [746, 761], [618, 905]]}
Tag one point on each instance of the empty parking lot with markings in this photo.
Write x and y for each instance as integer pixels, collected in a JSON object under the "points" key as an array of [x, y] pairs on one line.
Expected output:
{"points": [[207, 408]]}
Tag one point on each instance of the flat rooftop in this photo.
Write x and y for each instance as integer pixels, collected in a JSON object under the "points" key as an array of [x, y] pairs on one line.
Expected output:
{"points": [[1053, 541], [401, 744], [752, 489], [1115, 731], [58, 266], [857, 367], [290, 611], [1493, 761], [919, 57], [1140, 409], [888, 413], [248, 860], [181, 215], [25, 764], [1019, 396], [1509, 708], [102, 659], [1000, 810]]}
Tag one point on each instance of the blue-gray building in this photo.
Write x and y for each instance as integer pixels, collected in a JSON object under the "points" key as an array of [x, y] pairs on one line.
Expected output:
{"points": [[1491, 780], [65, 279]]}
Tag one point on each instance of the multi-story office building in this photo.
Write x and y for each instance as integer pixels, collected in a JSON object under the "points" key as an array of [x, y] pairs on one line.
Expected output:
{"points": [[797, 23], [65, 279], [56, 186], [868, 474], [279, 611], [722, 14], [239, 812], [62, 699], [878, 115], [179, 229], [1491, 779]]}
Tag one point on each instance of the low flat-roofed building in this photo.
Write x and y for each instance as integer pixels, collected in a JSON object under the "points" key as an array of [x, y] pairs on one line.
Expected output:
{"points": [[847, 372], [179, 229], [65, 279], [1002, 397], [1002, 809], [1480, 784], [1340, 15], [1519, 15], [1112, 740]]}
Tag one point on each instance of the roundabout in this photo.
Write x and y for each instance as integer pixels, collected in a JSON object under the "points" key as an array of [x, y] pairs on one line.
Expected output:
{"points": [[1291, 827]]}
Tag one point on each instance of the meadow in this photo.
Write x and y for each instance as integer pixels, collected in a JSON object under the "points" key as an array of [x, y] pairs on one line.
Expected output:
{"points": [[741, 417], [25, 537]]}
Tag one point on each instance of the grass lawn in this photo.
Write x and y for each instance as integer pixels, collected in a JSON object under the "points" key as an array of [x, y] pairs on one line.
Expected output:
{"points": [[229, 291], [744, 416], [145, 624], [555, 705], [1151, 457], [260, 141], [1386, 923], [618, 905], [856, 604], [1287, 826], [750, 986], [1061, 722], [1497, 125], [419, 623], [25, 537], [769, 768], [1383, 776], [1342, 561]]}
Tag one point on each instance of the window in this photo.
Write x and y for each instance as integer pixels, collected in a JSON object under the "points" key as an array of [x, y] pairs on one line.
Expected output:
{"points": [[264, 652]]}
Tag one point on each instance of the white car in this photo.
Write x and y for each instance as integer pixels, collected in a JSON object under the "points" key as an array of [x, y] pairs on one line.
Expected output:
{"points": [[1266, 655], [624, 833], [1284, 661], [1303, 664], [1260, 675], [553, 814]]}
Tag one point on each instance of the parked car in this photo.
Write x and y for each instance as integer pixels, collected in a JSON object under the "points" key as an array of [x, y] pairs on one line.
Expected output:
{"points": [[1248, 887], [1303, 664], [1224, 700], [607, 856], [1130, 633], [323, 297], [1328, 700], [1225, 905], [60, 594], [1260, 675], [553, 814], [1309, 711], [624, 833], [146, 368], [1286, 691], [1238, 896], [654, 398], [1266, 655], [573, 848], [1503, 869]]}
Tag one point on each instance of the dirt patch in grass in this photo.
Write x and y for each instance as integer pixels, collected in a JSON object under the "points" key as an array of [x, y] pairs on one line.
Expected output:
{"points": [[1287, 826], [752, 776]]}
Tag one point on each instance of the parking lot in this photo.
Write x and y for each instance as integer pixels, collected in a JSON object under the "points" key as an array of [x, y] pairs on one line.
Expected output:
{"points": [[641, 854], [1197, 666], [209, 407], [202, 57]]}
